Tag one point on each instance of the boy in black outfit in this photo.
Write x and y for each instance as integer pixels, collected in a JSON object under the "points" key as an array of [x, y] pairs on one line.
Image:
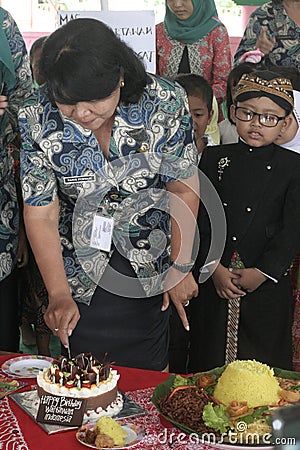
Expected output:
{"points": [[259, 185]]}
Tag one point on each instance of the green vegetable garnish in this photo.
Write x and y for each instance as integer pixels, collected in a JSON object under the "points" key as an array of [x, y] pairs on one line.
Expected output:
{"points": [[181, 381], [216, 417]]}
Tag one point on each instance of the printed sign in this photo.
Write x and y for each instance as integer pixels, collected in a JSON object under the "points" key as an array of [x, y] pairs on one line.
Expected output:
{"points": [[136, 28], [56, 409]]}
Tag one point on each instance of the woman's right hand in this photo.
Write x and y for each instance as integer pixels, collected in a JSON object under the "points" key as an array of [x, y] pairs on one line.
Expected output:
{"points": [[62, 316], [264, 43]]}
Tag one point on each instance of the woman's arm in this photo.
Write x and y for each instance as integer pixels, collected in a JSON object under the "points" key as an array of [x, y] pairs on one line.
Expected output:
{"points": [[42, 231], [184, 204]]}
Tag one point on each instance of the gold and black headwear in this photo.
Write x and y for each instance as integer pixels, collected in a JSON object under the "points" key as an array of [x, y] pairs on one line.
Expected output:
{"points": [[265, 84]]}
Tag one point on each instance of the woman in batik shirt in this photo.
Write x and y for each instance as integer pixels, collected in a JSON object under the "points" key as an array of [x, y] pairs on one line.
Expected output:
{"points": [[15, 84], [104, 145], [191, 39]]}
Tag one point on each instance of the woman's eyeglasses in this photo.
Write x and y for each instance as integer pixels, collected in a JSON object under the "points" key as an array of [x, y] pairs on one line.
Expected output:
{"points": [[265, 119]]}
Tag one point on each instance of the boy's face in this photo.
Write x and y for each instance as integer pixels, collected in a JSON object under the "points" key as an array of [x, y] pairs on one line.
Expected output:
{"points": [[253, 132], [201, 116]]}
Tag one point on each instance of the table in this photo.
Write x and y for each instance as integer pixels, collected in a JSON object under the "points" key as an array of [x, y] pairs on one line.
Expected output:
{"points": [[19, 432]]}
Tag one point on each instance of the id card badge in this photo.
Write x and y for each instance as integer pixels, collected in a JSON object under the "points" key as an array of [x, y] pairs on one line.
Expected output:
{"points": [[102, 232]]}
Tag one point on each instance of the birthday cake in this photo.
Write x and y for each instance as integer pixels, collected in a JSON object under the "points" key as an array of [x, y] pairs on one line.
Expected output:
{"points": [[84, 377]]}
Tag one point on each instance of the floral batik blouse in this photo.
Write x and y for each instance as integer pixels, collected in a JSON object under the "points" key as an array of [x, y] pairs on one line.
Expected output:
{"points": [[9, 216], [151, 144], [209, 56], [286, 51]]}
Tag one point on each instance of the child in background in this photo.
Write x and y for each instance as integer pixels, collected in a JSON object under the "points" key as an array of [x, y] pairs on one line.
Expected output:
{"points": [[34, 56], [258, 183], [33, 293], [212, 128], [200, 98]]}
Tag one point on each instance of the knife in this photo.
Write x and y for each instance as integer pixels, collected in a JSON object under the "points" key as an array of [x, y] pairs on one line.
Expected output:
{"points": [[68, 346]]}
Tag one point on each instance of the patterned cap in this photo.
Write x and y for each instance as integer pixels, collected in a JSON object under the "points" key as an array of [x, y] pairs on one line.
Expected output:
{"points": [[279, 89]]}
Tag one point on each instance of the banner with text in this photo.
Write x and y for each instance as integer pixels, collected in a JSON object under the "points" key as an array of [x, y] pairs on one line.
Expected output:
{"points": [[136, 28]]}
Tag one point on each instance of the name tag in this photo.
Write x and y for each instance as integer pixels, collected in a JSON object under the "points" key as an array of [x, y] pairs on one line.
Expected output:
{"points": [[102, 232], [79, 179]]}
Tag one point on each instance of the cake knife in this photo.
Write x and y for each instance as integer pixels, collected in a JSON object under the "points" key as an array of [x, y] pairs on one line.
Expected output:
{"points": [[68, 345]]}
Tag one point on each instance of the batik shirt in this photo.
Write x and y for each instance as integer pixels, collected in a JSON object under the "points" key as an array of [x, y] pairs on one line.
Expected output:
{"points": [[151, 144], [9, 216], [286, 51]]}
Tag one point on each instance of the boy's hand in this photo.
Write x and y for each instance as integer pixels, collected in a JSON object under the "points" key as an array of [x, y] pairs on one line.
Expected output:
{"points": [[249, 279], [227, 283]]}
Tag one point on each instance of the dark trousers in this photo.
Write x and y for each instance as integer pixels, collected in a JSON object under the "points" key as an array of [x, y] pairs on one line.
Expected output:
{"points": [[9, 314]]}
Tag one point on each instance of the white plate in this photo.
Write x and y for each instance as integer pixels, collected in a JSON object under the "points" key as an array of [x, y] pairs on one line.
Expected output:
{"points": [[135, 434], [26, 366]]}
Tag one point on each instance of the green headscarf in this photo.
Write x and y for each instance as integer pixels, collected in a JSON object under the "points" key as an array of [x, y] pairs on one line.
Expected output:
{"points": [[195, 27], [7, 69]]}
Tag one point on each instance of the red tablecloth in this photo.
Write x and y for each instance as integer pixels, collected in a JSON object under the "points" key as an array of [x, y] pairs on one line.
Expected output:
{"points": [[19, 432]]}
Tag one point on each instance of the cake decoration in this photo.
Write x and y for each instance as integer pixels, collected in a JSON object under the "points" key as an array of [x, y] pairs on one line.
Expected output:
{"points": [[87, 378]]}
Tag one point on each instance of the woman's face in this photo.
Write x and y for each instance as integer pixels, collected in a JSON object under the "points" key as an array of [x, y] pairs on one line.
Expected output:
{"points": [[183, 9], [92, 114]]}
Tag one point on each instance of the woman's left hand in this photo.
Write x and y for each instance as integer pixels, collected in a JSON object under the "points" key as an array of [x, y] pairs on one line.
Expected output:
{"points": [[180, 292]]}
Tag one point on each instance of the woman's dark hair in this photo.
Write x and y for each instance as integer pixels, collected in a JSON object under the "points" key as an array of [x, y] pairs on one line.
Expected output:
{"points": [[233, 79], [84, 60], [197, 86]]}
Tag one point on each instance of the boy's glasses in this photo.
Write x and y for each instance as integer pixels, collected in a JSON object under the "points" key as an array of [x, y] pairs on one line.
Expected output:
{"points": [[265, 119]]}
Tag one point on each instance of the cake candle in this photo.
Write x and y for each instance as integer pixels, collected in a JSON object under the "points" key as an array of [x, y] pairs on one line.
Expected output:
{"points": [[52, 372], [61, 378], [96, 370], [78, 381]]}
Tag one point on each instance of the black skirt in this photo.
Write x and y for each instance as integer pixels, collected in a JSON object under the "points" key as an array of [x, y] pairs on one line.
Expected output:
{"points": [[133, 332]]}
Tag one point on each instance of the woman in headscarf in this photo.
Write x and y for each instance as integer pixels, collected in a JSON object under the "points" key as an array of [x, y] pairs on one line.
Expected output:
{"points": [[193, 40]]}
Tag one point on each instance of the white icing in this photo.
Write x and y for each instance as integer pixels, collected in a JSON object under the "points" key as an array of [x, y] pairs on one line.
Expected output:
{"points": [[54, 388]]}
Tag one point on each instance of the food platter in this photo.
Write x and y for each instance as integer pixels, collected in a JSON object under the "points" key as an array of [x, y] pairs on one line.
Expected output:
{"points": [[216, 441], [26, 366], [135, 434]]}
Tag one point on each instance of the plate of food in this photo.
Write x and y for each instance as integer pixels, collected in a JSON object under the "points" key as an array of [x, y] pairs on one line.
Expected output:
{"points": [[27, 366], [7, 386], [228, 407], [108, 433]]}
